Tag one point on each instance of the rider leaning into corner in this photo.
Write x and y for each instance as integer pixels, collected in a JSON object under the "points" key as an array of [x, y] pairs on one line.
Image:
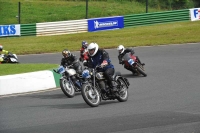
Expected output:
{"points": [[101, 57], [122, 51], [69, 59], [2, 51]]}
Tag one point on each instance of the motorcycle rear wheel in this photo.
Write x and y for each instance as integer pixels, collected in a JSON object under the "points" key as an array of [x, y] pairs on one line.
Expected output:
{"points": [[90, 95], [123, 91], [67, 87]]}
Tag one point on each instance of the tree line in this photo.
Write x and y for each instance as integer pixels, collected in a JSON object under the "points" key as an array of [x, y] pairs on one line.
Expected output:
{"points": [[172, 4], [162, 4]]}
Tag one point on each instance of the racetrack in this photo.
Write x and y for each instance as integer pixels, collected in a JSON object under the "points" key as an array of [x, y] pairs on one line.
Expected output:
{"points": [[166, 101]]}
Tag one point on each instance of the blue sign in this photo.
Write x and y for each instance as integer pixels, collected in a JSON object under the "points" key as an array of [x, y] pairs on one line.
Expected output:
{"points": [[99, 24], [9, 30]]}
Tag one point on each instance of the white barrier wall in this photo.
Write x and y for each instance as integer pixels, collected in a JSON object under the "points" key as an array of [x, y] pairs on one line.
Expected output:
{"points": [[61, 27], [26, 82]]}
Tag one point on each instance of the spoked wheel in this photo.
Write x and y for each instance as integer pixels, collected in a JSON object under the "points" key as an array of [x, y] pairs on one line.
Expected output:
{"points": [[90, 95], [67, 87], [123, 91]]}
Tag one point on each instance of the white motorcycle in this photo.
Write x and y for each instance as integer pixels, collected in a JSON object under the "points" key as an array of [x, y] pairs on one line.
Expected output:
{"points": [[66, 83], [10, 58]]}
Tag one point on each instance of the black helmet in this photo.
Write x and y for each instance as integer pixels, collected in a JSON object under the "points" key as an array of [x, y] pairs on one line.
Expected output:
{"points": [[66, 53]]}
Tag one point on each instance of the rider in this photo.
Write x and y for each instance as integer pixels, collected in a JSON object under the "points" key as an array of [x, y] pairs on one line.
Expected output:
{"points": [[122, 52], [69, 59], [101, 57], [84, 52], [2, 51]]}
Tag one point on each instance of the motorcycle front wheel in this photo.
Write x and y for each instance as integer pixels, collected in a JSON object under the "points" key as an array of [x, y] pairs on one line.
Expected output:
{"points": [[122, 92], [90, 95], [67, 87], [141, 70]]}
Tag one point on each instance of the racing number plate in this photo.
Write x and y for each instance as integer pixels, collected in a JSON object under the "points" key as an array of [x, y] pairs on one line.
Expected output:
{"points": [[131, 61], [61, 69]]}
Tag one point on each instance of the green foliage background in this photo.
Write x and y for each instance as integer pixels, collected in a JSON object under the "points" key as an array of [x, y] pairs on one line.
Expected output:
{"points": [[36, 11]]}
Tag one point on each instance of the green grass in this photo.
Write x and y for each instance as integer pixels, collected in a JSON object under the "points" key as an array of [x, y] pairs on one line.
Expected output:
{"points": [[171, 33], [36, 11], [7, 69]]}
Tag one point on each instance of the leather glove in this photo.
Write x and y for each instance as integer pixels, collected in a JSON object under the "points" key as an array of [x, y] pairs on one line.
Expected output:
{"points": [[85, 63], [121, 62], [104, 63]]}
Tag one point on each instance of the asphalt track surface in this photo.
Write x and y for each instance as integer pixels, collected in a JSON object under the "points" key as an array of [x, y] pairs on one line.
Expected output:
{"points": [[166, 101]]}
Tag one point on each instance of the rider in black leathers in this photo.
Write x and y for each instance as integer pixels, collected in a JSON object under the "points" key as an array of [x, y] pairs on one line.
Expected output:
{"points": [[69, 59], [122, 52]]}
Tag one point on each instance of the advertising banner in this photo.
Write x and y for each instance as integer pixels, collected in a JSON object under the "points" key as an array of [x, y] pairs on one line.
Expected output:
{"points": [[195, 14], [10, 30], [98, 24]]}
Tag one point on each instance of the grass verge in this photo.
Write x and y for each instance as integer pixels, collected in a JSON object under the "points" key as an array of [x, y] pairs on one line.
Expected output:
{"points": [[8, 69], [160, 34], [170, 33]]}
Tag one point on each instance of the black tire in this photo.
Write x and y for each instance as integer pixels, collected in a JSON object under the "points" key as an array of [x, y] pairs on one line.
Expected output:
{"points": [[122, 94], [90, 95], [141, 71], [67, 87]]}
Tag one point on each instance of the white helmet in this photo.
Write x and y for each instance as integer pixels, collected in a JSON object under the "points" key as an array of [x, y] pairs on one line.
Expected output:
{"points": [[120, 48], [93, 46], [1, 47]]}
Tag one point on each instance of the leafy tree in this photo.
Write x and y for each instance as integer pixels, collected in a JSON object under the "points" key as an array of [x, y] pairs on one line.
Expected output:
{"points": [[171, 4], [196, 3]]}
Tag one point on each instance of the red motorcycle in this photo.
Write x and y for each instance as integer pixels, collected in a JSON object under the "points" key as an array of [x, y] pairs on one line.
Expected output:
{"points": [[131, 62]]}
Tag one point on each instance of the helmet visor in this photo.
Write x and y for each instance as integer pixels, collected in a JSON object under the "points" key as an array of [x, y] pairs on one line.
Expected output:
{"points": [[120, 51], [84, 45], [65, 54], [91, 51]]}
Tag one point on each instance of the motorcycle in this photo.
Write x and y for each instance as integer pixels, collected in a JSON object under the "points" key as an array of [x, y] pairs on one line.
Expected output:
{"points": [[66, 83], [132, 62], [10, 58], [96, 88]]}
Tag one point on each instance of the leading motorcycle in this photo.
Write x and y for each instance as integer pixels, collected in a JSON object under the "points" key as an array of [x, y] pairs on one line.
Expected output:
{"points": [[96, 88]]}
